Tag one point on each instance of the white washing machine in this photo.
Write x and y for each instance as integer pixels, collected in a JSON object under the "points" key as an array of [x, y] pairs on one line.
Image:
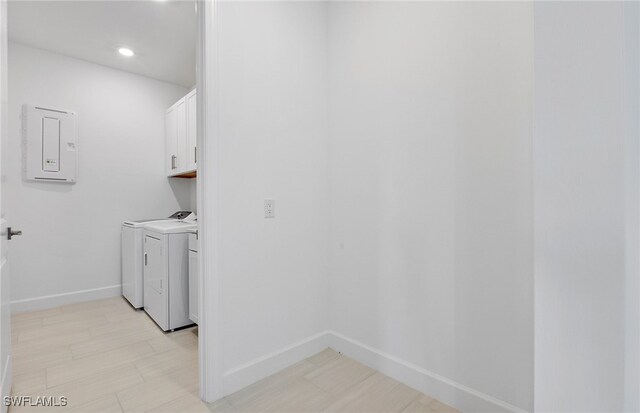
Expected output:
{"points": [[166, 272], [132, 256]]}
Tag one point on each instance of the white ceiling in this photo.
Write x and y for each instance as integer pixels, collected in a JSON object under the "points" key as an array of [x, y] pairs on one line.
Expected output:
{"points": [[161, 33]]}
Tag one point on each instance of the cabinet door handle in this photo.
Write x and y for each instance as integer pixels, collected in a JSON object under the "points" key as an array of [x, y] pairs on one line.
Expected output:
{"points": [[12, 233], [145, 258], [173, 162], [195, 154]]}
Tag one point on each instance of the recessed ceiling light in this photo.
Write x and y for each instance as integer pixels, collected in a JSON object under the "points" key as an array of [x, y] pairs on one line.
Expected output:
{"points": [[125, 52]]}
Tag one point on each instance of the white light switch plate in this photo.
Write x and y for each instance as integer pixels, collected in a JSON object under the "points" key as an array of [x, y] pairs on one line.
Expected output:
{"points": [[269, 208]]}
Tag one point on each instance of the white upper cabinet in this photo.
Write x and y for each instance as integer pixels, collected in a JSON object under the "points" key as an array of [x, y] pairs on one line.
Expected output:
{"points": [[171, 136], [181, 137], [192, 151]]}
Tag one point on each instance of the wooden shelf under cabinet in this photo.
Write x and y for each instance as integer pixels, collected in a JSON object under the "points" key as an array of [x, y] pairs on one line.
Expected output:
{"points": [[192, 174]]}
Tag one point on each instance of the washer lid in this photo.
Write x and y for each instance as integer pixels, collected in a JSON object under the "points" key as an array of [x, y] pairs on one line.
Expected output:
{"points": [[171, 227], [142, 222]]}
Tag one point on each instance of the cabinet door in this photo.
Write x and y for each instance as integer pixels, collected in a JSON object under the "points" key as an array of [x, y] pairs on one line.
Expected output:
{"points": [[155, 284], [194, 285], [181, 127], [192, 137], [171, 141]]}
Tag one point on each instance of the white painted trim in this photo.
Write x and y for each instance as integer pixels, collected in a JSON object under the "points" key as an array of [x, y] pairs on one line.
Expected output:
{"points": [[210, 323], [248, 373], [7, 379], [5, 323], [448, 391], [55, 300]]}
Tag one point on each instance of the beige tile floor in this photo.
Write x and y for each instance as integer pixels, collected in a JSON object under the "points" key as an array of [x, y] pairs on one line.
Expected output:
{"points": [[105, 357], [329, 382]]}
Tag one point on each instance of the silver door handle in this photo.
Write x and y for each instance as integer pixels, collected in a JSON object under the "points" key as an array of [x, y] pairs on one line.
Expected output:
{"points": [[195, 155], [173, 162], [145, 258], [11, 233]]}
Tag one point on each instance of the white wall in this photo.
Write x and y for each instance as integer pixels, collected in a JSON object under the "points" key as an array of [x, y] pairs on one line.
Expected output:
{"points": [[632, 195], [272, 128], [193, 195], [580, 178], [399, 141], [403, 201], [71, 238], [431, 208]]}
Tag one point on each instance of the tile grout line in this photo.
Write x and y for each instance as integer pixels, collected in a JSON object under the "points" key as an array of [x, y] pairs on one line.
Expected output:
{"points": [[144, 379], [98, 352], [415, 398], [120, 402]]}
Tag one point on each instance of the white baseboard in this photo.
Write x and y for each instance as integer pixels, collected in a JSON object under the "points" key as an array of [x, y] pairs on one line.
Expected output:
{"points": [[248, 373], [448, 391], [432, 384], [5, 387], [49, 301]]}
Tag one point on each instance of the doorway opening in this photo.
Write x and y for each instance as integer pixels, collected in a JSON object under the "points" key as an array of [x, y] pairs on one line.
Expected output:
{"points": [[100, 166]]}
